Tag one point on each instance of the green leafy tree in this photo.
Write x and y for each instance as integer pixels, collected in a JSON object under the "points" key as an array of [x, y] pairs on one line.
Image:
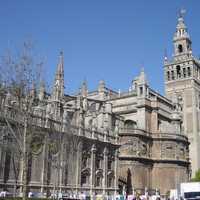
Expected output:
{"points": [[197, 176]]}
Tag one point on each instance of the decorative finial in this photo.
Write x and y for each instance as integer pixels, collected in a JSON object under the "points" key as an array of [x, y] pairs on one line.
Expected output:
{"points": [[84, 84], [83, 89], [142, 66], [101, 87], [85, 81], [181, 13], [119, 92], [165, 55]]}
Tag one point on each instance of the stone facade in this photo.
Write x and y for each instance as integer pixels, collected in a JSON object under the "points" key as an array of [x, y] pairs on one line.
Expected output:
{"points": [[182, 84], [131, 140], [153, 144]]}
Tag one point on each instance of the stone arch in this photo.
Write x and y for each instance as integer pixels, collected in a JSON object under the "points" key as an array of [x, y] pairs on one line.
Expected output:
{"points": [[178, 71], [129, 182], [130, 124], [189, 71], [99, 178], [110, 178], [85, 174], [168, 76], [180, 48]]}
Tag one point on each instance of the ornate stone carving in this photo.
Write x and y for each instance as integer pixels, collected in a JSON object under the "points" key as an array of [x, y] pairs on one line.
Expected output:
{"points": [[37, 144], [142, 148], [168, 150]]}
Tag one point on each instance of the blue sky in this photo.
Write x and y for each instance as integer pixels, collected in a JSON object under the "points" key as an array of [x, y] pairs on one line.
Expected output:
{"points": [[101, 39]]}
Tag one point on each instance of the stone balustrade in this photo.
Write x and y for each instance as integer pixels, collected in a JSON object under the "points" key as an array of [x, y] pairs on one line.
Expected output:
{"points": [[136, 131], [169, 136], [14, 115], [141, 132]]}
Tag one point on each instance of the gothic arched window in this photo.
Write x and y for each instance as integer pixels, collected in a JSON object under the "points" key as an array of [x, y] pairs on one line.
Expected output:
{"points": [[110, 180], [98, 181], [83, 179]]}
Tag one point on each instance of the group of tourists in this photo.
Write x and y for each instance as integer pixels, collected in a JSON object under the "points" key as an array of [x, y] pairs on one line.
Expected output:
{"points": [[84, 196]]}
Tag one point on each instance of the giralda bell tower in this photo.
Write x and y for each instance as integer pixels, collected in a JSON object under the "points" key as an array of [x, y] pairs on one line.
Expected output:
{"points": [[182, 85]]}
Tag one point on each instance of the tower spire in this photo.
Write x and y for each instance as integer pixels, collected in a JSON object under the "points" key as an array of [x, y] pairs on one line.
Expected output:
{"points": [[58, 88], [181, 29], [165, 55], [84, 89], [41, 90], [182, 42]]}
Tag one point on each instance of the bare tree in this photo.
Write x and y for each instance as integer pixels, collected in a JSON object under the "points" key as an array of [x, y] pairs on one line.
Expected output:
{"points": [[7, 144], [62, 144], [18, 86]]}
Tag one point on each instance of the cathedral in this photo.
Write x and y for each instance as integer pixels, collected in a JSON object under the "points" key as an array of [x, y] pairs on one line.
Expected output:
{"points": [[110, 142]]}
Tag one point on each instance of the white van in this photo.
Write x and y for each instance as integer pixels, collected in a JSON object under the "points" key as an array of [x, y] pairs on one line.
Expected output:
{"points": [[190, 190]]}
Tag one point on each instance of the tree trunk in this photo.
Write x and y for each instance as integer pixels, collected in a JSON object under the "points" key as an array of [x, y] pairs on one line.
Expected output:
{"points": [[16, 177], [25, 161], [15, 189]]}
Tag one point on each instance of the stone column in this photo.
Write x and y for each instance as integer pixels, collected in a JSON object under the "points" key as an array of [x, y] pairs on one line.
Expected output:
{"points": [[194, 144], [147, 91], [92, 167], [116, 171], [78, 166], [65, 119], [61, 166], [2, 164], [1, 152], [21, 176], [102, 115], [154, 118], [105, 169], [175, 74], [181, 72], [81, 122], [144, 90], [108, 110], [43, 174], [94, 125], [116, 132]]}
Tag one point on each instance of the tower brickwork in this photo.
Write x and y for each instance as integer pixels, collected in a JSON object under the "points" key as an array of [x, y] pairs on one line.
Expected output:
{"points": [[182, 85]]}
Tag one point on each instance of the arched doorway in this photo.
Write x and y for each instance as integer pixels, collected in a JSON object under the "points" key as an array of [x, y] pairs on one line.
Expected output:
{"points": [[129, 188]]}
